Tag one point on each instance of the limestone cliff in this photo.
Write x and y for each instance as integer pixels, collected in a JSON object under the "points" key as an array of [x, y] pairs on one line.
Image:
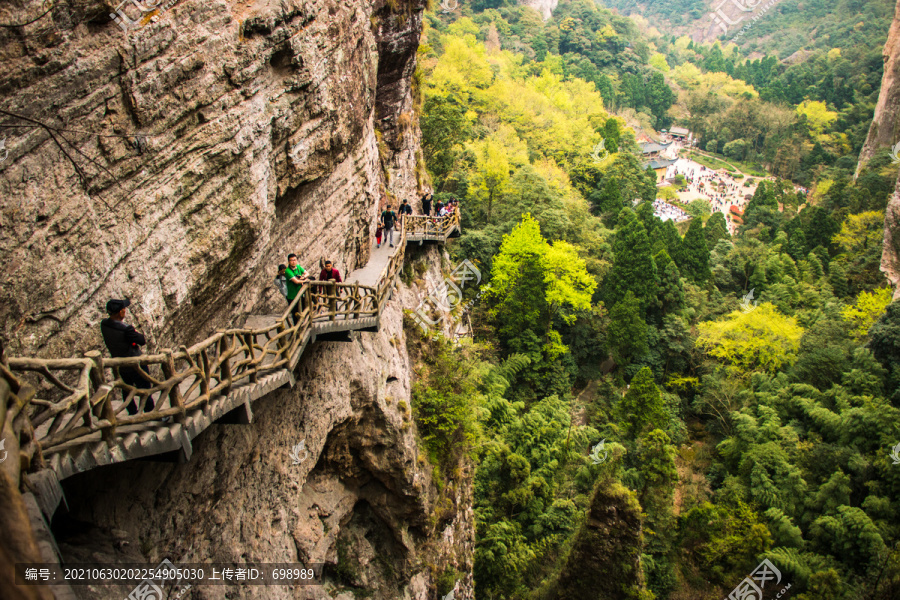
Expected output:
{"points": [[884, 131], [363, 501], [605, 558], [545, 7], [179, 162]]}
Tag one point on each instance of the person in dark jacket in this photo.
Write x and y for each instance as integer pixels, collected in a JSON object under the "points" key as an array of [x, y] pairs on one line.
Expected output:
{"points": [[122, 341], [426, 204], [388, 218], [405, 208]]}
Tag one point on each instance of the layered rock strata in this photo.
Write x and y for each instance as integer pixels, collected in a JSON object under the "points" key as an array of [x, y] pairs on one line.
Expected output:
{"points": [[178, 163], [884, 131], [362, 500]]}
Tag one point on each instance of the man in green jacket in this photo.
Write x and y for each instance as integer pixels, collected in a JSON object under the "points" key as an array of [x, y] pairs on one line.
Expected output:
{"points": [[296, 277]]}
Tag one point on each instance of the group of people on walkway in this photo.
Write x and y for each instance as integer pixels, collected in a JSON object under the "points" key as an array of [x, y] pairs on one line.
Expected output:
{"points": [[123, 340], [291, 278], [440, 209], [389, 218]]}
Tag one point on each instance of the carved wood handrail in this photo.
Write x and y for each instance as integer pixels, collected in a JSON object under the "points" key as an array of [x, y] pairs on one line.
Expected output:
{"points": [[75, 396]]}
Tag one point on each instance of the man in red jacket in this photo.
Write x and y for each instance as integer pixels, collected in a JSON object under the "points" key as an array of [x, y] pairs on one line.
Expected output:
{"points": [[329, 273]]}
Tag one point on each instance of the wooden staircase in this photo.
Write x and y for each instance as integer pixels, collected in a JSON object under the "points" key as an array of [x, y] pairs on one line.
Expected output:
{"points": [[79, 417]]}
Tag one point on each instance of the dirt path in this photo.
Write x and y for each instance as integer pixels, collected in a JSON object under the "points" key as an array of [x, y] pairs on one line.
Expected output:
{"points": [[701, 152], [691, 467], [579, 417]]}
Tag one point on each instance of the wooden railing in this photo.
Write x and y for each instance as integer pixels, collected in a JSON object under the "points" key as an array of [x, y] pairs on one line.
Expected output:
{"points": [[79, 397], [424, 227]]}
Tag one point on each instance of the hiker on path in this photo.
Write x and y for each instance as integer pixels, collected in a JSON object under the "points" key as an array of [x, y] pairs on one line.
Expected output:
{"points": [[296, 277], [388, 219], [405, 208], [123, 341], [426, 204]]}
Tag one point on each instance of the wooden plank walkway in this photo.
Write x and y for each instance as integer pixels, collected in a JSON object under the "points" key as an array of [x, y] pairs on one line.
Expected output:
{"points": [[79, 416], [378, 261]]}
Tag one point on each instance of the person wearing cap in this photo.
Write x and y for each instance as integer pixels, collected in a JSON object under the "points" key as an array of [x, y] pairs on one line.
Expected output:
{"points": [[122, 341], [388, 218]]}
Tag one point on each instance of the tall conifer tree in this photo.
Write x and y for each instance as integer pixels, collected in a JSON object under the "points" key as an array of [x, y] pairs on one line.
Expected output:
{"points": [[695, 253], [633, 268]]}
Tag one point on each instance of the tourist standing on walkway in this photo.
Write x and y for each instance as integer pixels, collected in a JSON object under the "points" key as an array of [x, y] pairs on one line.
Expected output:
{"points": [[405, 209], [123, 341], [388, 218], [281, 281], [426, 204], [329, 273], [296, 277]]}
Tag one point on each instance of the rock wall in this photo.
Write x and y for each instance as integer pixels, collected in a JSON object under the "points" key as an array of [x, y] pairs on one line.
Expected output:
{"points": [[605, 558], [545, 7], [890, 253], [884, 131], [178, 163], [362, 501]]}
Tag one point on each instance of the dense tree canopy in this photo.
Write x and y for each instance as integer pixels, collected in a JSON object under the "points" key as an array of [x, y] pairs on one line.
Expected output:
{"points": [[742, 390]]}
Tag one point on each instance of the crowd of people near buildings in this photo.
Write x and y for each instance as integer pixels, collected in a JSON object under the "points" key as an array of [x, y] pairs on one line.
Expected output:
{"points": [[724, 193], [667, 212]]}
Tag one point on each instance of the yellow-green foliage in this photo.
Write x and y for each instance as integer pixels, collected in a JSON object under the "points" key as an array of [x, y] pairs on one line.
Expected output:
{"points": [[691, 77], [866, 310], [818, 117], [658, 60], [556, 119], [861, 232], [761, 339]]}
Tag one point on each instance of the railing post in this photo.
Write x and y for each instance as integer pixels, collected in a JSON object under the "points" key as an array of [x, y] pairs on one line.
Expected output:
{"points": [[98, 376], [248, 339], [104, 409], [204, 380], [175, 399], [225, 364], [284, 343], [332, 301]]}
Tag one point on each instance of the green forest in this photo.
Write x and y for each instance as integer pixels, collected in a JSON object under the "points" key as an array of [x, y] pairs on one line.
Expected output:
{"points": [[717, 399], [792, 117]]}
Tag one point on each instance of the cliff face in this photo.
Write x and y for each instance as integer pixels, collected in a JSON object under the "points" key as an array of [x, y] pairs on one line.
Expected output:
{"points": [[884, 131], [605, 559], [213, 140], [177, 164], [545, 7], [362, 501]]}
